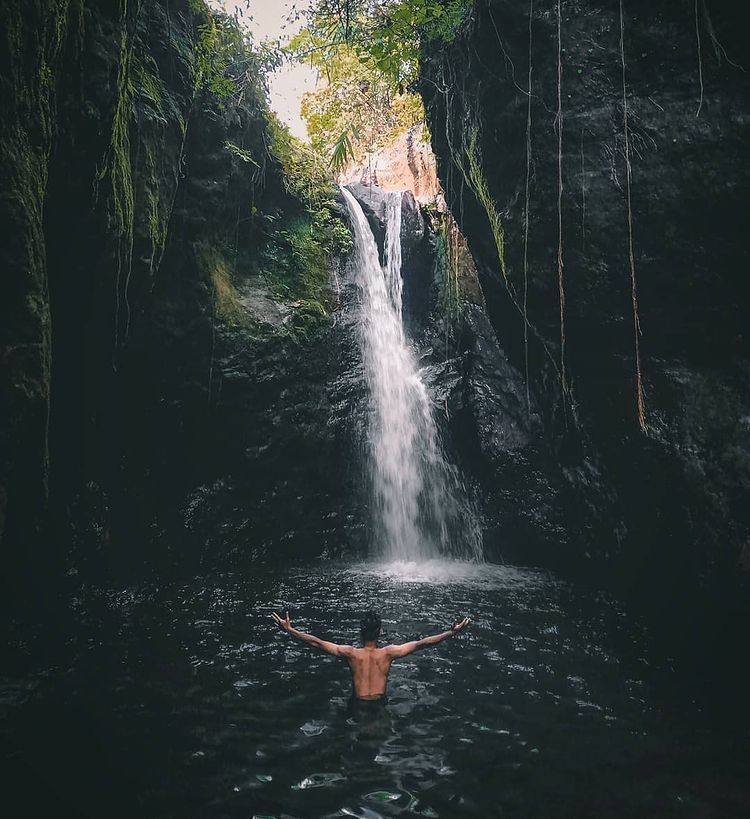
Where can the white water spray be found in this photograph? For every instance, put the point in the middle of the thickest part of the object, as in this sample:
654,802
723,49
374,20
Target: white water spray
420,506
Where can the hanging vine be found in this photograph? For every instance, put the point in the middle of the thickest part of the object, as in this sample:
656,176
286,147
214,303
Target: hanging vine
700,57
640,403
478,184
559,125
583,198
117,166
462,134
526,219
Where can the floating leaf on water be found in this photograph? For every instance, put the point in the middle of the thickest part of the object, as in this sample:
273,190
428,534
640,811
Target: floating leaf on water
313,728
383,796
319,780
361,813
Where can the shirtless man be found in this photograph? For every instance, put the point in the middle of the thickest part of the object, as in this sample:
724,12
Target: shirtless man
370,664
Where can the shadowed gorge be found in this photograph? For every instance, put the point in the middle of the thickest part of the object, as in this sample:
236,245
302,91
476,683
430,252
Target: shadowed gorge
476,347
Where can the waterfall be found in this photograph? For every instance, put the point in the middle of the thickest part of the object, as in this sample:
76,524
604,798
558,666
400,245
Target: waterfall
392,270
421,510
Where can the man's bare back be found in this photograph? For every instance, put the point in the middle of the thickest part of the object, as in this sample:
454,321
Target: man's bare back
369,667
370,664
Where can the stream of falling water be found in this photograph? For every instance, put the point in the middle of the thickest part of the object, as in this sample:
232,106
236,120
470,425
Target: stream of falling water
421,508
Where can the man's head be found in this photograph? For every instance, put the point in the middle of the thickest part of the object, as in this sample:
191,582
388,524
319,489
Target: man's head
369,627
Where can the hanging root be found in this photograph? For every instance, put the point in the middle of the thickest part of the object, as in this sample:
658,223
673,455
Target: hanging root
583,199
117,165
719,50
700,59
466,146
640,404
559,124
449,256
526,221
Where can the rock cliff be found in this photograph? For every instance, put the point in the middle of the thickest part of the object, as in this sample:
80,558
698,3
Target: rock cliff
165,304
663,513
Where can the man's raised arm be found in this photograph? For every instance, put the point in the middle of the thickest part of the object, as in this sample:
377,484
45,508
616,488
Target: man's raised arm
407,648
330,648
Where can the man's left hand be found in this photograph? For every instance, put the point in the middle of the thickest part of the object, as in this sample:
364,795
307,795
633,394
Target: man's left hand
282,622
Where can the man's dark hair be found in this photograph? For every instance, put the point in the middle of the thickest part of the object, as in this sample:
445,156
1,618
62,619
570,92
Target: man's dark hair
369,626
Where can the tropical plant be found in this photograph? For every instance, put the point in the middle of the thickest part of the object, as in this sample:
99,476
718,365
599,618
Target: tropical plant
367,55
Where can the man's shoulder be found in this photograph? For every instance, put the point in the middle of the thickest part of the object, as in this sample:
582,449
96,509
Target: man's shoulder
358,651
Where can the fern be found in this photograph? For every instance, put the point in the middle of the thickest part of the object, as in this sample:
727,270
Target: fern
342,153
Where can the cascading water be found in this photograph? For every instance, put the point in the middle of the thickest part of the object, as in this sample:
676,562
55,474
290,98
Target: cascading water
420,506
392,269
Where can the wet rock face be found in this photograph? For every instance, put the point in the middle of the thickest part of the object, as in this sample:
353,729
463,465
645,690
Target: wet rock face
662,510
498,443
287,470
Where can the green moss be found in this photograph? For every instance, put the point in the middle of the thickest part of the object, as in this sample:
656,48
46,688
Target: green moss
295,267
218,41
304,270
307,178
478,183
297,260
467,146
227,305
156,111
156,210
117,165
148,83
447,269
32,36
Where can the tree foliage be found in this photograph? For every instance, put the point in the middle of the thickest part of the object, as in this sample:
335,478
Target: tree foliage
386,34
355,108
367,54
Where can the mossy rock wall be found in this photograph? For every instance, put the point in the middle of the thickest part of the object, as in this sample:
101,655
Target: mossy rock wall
143,211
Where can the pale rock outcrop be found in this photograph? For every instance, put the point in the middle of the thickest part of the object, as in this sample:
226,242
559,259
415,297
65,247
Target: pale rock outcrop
407,164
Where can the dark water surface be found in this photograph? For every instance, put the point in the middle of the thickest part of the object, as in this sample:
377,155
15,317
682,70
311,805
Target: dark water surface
191,703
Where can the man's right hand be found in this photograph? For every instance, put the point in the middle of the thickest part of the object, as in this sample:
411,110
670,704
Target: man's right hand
459,625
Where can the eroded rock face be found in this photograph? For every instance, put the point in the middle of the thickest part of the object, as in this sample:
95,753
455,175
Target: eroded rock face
407,164
287,475
662,513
